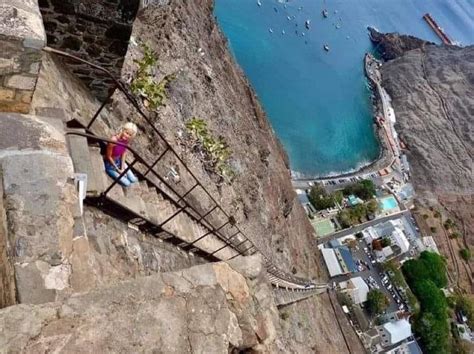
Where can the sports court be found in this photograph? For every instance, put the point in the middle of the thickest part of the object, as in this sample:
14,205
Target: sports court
323,227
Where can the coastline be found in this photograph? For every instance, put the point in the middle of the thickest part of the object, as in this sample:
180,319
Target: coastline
382,161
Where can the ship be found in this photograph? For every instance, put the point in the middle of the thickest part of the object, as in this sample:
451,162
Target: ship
325,13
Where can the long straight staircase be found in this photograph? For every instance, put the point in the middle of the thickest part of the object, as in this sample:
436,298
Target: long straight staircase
157,206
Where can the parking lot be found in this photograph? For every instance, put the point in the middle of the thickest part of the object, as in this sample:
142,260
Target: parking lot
373,275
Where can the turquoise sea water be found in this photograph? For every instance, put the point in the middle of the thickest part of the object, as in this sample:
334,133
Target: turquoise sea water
318,102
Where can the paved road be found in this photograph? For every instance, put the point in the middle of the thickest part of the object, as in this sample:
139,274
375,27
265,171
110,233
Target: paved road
360,227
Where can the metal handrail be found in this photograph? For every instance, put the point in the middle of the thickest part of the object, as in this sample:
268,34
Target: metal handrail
123,87
138,158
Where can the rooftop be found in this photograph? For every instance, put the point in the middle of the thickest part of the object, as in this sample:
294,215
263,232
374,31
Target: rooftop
331,262
398,330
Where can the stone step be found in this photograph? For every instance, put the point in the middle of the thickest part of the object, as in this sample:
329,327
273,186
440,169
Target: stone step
101,177
134,190
81,159
144,188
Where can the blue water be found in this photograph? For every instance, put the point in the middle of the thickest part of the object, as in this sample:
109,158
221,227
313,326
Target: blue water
388,203
318,102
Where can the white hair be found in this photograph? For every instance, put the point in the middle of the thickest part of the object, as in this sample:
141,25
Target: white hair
131,127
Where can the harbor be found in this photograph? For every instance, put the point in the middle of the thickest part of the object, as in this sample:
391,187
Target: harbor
437,29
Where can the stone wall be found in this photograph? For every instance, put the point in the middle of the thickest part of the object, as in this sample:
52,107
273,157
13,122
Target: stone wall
95,30
22,37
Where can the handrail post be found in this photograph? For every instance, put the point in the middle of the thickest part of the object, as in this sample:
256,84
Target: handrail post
101,108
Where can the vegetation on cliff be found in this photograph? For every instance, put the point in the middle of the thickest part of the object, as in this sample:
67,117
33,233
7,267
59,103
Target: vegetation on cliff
144,83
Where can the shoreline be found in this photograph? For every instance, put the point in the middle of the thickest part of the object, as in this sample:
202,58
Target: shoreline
368,167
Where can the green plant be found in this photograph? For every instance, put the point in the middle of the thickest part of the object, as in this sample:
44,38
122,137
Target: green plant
216,151
454,235
465,254
377,302
448,224
320,198
144,84
433,229
437,214
284,315
425,216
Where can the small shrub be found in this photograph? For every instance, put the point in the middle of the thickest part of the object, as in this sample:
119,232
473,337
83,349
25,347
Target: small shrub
144,84
425,216
465,254
433,229
216,151
436,214
454,235
284,315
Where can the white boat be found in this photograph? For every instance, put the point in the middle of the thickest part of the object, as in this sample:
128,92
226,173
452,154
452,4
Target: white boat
259,3
326,48
270,30
306,24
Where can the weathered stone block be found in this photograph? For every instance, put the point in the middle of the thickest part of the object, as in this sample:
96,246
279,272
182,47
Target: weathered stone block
6,94
21,19
14,106
21,82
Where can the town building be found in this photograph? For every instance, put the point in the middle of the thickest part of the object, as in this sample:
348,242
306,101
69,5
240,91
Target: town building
357,289
406,348
394,332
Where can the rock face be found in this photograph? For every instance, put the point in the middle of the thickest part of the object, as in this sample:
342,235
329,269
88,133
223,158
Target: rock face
393,45
208,84
432,88
204,309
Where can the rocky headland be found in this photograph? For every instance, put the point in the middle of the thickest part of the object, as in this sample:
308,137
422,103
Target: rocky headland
432,92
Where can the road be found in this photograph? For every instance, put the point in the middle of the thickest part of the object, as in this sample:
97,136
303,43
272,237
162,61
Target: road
362,226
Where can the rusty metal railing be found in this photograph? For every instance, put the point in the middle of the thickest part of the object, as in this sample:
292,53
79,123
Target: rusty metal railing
179,199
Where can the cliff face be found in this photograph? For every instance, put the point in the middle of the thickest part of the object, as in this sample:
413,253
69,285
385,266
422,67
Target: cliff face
208,84
432,89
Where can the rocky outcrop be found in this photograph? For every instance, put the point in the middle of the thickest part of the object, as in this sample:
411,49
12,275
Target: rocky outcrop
393,45
204,309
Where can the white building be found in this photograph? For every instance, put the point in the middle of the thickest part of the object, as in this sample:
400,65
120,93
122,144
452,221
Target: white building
331,261
398,238
394,332
357,290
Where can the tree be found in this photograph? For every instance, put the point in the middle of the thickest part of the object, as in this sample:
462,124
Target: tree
338,196
386,242
364,189
345,218
372,206
377,302
429,266
433,333
431,298
319,198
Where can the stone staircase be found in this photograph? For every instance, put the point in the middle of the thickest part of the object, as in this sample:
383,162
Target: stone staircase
286,296
145,202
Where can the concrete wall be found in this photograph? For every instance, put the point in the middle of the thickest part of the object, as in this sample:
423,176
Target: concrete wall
22,37
95,30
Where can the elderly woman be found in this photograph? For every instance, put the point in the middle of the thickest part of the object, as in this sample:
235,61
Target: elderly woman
114,158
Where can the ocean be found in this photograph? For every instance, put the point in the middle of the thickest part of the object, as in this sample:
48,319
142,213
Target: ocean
318,101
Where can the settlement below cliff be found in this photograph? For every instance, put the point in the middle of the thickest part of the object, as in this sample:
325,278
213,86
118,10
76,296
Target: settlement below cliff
432,91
